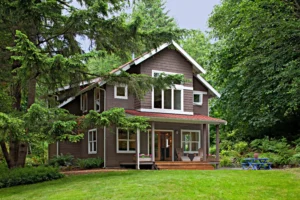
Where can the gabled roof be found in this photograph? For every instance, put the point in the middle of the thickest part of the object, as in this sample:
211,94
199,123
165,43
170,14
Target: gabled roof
190,119
142,58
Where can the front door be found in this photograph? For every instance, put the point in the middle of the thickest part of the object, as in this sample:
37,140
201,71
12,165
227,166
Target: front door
163,145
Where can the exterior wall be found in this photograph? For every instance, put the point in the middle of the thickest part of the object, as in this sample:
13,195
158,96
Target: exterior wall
79,149
203,109
111,102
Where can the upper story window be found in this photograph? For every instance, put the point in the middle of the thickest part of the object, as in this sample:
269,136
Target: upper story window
169,99
198,97
97,100
84,102
92,141
190,141
121,92
126,141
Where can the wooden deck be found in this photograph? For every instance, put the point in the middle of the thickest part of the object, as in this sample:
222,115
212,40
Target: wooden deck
180,165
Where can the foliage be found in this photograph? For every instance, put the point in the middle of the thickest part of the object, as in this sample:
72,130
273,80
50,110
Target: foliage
255,61
28,175
62,160
225,161
89,163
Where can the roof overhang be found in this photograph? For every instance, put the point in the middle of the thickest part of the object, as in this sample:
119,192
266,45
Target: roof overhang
209,87
175,118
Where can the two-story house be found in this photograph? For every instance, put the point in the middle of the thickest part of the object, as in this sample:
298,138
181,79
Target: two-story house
179,116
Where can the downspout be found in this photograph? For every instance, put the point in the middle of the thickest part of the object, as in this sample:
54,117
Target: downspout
57,148
104,132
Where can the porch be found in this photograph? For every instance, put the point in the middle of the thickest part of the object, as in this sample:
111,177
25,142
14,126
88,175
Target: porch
164,138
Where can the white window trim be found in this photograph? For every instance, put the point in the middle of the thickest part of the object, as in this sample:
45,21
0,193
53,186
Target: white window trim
86,103
92,152
128,140
95,91
200,93
199,136
121,97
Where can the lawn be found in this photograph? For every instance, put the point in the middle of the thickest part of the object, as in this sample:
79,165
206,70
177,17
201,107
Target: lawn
218,184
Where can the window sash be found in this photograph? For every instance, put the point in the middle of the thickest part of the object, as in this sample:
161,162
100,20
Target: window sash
169,99
97,100
84,102
92,141
128,141
187,143
125,96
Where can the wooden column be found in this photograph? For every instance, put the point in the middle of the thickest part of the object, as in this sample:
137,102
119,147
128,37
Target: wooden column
138,149
153,141
205,141
217,143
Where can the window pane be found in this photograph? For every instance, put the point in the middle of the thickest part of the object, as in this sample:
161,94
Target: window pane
194,146
123,145
121,91
196,98
95,146
132,145
94,135
91,146
132,135
177,99
156,74
157,98
167,99
123,134
186,136
195,136
186,146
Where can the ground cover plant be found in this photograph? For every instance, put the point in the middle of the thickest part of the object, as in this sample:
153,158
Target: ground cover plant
217,184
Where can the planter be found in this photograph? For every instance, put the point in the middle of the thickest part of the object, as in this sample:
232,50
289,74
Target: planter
143,159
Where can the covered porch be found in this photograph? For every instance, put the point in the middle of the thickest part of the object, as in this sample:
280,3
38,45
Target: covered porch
170,132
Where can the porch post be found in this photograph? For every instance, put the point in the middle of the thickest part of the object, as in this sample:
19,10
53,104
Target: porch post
204,141
153,141
217,144
137,149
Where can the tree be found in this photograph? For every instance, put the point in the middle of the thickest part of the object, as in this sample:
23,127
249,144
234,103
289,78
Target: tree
43,51
256,61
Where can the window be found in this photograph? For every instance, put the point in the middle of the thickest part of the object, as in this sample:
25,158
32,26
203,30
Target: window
121,92
92,140
126,141
190,141
97,100
198,97
169,99
84,102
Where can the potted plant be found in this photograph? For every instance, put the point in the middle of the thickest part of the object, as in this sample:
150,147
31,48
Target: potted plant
143,157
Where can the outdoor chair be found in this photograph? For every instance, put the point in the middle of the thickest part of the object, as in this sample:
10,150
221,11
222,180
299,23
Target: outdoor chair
181,156
198,157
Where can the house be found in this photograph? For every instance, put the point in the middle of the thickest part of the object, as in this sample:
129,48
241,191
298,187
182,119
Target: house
179,116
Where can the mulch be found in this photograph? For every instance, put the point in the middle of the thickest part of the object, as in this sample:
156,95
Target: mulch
90,171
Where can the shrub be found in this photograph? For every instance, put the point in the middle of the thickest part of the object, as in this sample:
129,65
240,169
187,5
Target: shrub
241,147
62,160
226,161
89,163
28,175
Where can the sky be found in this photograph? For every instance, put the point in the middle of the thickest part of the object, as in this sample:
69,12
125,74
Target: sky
191,14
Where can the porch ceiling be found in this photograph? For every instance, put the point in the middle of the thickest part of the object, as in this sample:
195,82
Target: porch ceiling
177,118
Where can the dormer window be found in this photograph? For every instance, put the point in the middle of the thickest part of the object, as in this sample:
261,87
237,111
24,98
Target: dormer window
121,92
169,99
84,102
198,97
97,100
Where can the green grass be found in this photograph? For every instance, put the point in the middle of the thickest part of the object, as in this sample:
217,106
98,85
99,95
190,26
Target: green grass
218,184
